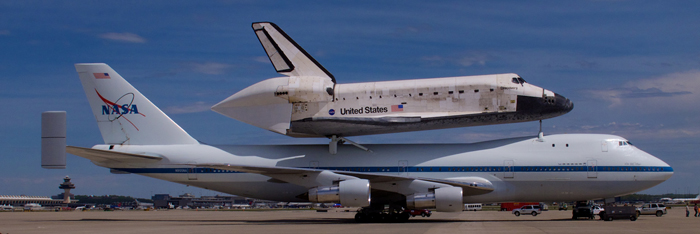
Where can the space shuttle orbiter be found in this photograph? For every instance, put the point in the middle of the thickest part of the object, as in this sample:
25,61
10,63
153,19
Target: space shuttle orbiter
308,102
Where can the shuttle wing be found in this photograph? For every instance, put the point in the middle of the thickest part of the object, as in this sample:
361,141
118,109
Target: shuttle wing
470,186
111,156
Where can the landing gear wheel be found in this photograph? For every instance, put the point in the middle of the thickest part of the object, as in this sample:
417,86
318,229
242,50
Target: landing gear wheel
360,218
403,217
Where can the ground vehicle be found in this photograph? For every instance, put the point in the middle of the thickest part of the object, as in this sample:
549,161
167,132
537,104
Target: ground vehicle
472,206
509,206
597,209
657,209
583,209
534,210
423,212
563,206
618,212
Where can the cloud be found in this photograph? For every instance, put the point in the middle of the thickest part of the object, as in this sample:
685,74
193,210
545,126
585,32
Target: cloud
651,92
469,60
586,64
191,108
210,68
123,37
669,92
4,32
638,130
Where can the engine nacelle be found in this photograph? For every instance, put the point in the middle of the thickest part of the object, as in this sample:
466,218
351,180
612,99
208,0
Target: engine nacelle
447,199
352,193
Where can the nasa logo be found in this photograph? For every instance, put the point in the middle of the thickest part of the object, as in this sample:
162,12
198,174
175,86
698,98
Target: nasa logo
115,111
331,112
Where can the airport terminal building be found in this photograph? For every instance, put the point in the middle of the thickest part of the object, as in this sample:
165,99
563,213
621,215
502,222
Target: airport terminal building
22,200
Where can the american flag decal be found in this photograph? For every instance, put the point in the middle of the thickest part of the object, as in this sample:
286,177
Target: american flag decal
395,108
101,75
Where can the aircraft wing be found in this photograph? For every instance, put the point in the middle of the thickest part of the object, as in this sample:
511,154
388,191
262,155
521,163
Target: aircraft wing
111,156
470,186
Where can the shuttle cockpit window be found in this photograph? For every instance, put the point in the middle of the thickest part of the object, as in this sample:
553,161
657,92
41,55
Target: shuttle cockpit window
518,80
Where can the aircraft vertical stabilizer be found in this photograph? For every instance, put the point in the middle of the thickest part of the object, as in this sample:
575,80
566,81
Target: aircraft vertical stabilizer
124,115
286,55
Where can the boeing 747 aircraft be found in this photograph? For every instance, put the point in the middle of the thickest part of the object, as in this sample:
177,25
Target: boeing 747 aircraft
141,139
308,102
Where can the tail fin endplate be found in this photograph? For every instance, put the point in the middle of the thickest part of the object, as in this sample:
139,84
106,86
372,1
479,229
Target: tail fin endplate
287,56
123,114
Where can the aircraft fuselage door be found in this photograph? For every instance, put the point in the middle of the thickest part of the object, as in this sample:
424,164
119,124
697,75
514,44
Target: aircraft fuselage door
403,164
592,171
604,146
508,166
192,171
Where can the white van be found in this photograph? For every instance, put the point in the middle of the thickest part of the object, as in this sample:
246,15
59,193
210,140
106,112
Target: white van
472,206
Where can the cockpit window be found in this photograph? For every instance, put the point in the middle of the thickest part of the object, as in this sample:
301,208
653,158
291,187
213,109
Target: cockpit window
621,143
518,80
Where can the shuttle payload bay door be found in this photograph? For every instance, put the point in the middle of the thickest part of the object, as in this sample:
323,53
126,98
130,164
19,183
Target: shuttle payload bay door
592,172
508,166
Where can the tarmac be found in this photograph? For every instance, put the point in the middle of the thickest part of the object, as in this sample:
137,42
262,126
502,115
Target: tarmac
308,221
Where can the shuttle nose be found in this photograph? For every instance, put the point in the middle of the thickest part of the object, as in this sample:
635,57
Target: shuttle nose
543,107
562,103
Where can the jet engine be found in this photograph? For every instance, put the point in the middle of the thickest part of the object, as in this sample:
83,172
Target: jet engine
352,193
447,199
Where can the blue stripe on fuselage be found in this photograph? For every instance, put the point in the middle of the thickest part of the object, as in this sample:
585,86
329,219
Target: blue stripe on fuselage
519,169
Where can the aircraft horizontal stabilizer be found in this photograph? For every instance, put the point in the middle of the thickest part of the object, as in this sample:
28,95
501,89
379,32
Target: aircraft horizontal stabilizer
112,156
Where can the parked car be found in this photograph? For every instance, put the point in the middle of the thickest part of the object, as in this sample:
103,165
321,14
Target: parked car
657,209
423,212
583,209
597,209
534,210
618,212
563,206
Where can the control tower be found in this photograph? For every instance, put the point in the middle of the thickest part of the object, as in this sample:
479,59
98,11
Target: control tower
66,186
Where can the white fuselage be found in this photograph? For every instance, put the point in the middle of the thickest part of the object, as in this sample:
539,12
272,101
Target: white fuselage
311,106
561,168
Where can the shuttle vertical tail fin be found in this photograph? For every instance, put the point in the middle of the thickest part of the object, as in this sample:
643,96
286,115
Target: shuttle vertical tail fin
123,114
287,56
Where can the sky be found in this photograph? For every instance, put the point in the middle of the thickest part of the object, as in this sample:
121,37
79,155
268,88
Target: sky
632,68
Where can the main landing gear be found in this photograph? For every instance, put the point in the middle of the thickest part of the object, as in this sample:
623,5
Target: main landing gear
370,215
